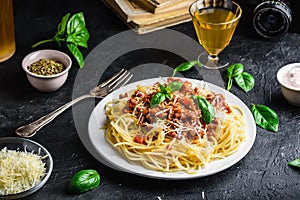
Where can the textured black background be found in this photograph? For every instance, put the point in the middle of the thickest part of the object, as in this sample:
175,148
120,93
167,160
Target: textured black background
262,174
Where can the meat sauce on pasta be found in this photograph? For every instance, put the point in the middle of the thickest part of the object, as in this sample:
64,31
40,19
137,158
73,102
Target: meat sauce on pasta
172,136
180,111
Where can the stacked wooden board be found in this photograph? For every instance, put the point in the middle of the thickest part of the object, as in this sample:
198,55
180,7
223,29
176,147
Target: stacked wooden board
145,16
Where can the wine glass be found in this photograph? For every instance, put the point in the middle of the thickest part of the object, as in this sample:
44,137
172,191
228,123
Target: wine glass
215,22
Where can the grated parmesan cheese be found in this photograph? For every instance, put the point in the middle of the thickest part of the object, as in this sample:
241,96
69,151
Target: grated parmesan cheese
19,171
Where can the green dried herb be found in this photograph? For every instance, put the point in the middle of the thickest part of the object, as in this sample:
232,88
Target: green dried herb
46,67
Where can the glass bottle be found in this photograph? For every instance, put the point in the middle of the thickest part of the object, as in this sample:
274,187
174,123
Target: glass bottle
7,32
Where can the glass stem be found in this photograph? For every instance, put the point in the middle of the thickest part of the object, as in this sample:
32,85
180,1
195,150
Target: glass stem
213,58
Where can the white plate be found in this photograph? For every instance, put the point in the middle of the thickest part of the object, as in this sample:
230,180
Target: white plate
115,160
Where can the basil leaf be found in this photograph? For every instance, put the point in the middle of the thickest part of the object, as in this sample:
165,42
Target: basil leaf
174,86
76,53
77,33
229,84
168,96
233,71
163,89
76,23
265,117
295,163
245,81
84,181
207,109
62,27
79,38
186,66
73,32
165,92
157,99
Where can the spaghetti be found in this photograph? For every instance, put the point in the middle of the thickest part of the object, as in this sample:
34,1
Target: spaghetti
172,135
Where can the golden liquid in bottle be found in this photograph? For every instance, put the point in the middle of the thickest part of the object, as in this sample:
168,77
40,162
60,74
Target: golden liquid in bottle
214,29
7,33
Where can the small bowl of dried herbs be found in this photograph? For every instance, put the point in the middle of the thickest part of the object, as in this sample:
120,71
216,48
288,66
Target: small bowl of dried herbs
47,70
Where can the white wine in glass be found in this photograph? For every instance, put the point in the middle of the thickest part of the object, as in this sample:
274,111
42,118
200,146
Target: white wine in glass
215,22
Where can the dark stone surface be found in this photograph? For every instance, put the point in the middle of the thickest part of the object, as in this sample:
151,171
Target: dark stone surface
262,174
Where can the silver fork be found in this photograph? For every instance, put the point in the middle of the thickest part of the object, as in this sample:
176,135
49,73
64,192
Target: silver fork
100,91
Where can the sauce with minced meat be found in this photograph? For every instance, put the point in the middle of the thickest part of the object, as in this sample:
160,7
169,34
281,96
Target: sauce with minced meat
180,111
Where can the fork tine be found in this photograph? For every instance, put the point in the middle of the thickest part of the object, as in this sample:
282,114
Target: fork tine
117,79
105,83
121,82
108,81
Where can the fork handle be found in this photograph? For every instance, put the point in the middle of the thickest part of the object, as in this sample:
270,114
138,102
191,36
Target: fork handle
32,128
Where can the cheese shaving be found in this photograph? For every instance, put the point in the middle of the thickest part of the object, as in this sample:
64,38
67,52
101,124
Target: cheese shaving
19,171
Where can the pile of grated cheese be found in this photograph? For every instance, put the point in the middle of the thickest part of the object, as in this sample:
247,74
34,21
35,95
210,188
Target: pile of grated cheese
19,171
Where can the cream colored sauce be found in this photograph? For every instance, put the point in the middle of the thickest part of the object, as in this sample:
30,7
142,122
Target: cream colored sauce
292,78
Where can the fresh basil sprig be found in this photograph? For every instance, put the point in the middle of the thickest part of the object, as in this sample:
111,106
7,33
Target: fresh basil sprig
186,66
157,99
295,163
233,71
265,117
165,93
74,33
243,79
207,110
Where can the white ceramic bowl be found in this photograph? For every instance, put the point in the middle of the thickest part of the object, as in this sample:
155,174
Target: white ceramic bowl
47,83
20,144
291,94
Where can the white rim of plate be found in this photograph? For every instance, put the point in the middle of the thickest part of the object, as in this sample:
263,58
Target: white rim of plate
110,157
